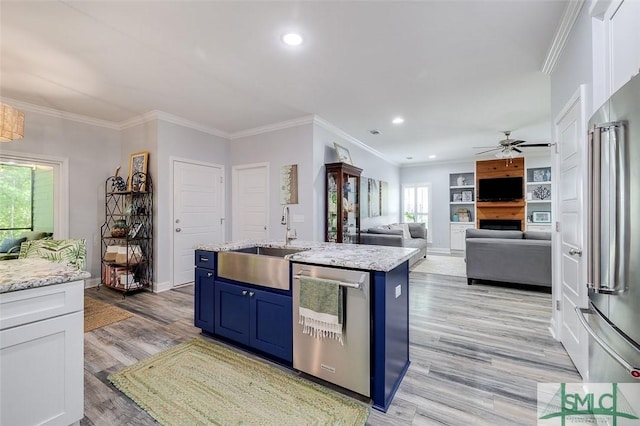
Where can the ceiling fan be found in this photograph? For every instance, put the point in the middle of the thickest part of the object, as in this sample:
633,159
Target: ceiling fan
507,146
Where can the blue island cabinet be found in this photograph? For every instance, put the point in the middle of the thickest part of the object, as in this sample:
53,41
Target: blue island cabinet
390,333
255,318
204,291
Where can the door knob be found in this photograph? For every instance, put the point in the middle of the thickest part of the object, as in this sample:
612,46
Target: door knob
178,229
575,252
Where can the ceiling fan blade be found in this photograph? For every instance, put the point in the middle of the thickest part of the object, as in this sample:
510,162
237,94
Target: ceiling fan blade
536,144
489,150
486,146
517,142
516,149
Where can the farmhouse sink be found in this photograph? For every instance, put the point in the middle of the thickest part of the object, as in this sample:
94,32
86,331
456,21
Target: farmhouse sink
268,251
262,266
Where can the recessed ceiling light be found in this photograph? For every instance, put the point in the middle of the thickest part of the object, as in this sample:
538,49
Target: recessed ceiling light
432,156
398,120
292,39
374,132
409,158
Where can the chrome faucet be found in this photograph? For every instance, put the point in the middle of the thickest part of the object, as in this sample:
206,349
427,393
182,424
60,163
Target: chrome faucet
289,235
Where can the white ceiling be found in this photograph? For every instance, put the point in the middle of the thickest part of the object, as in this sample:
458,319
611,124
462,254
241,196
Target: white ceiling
459,72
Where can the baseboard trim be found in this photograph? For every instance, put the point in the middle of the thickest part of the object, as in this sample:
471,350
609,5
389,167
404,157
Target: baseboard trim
440,250
160,287
91,282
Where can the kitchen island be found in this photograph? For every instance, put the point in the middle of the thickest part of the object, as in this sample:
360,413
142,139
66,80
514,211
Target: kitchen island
41,342
261,318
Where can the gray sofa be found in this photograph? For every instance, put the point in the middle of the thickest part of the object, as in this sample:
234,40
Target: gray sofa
391,235
509,256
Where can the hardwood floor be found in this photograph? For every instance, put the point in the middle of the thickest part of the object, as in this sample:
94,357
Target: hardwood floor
477,353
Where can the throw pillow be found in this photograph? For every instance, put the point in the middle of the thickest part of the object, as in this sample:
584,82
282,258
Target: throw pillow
35,235
69,252
9,243
404,227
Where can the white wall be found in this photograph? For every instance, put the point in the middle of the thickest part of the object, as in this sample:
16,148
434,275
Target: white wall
574,67
184,143
93,154
292,145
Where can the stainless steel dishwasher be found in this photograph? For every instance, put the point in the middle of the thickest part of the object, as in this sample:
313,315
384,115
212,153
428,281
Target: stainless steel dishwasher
345,365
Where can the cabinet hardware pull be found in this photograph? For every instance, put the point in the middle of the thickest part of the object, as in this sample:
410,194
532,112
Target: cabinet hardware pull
244,292
251,294
204,259
209,274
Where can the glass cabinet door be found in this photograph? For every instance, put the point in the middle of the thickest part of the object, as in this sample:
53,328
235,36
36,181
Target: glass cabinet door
332,207
343,203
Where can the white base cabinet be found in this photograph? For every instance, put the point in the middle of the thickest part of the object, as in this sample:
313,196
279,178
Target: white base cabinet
42,355
458,233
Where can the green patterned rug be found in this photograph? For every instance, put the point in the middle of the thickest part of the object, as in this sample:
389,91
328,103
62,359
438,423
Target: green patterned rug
204,383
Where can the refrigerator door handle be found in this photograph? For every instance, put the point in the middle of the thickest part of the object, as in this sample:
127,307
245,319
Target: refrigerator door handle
593,242
617,133
617,226
582,312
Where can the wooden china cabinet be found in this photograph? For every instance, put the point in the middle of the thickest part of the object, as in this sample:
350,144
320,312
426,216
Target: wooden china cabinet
342,205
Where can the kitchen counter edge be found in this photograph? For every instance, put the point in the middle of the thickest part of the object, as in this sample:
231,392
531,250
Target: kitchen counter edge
352,256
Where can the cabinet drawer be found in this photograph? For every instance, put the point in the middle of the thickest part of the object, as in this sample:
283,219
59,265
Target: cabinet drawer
205,259
35,304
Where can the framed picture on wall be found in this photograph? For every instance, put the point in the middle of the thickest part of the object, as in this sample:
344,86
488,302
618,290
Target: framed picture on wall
138,162
343,154
541,217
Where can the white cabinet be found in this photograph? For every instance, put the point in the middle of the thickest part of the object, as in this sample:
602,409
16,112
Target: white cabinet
458,232
41,355
539,193
462,207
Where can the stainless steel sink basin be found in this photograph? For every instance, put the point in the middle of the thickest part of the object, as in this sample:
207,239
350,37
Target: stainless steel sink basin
263,266
268,251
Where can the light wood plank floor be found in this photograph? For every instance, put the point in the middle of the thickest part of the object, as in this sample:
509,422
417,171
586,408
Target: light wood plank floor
476,352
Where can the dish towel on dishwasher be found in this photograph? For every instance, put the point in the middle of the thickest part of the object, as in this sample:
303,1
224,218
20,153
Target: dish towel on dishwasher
321,308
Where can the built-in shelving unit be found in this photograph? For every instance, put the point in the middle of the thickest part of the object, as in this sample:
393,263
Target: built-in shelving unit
538,195
462,207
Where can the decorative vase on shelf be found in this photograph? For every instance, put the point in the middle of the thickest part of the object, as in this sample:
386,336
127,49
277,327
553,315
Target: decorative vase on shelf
120,229
461,181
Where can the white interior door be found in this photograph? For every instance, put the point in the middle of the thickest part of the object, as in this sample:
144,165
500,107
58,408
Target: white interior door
250,201
198,213
570,160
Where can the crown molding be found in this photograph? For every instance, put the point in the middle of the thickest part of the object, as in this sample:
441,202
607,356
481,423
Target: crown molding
56,113
339,132
569,18
174,119
272,127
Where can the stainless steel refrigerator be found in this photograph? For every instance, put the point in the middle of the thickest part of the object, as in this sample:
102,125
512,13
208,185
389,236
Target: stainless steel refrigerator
613,316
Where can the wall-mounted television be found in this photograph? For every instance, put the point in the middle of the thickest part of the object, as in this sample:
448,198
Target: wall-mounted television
500,189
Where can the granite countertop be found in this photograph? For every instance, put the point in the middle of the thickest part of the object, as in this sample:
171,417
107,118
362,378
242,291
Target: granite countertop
21,274
354,256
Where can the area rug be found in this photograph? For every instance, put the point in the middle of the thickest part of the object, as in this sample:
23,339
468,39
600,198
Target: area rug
200,382
98,314
443,265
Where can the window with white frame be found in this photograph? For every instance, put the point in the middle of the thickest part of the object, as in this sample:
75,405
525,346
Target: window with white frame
416,203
